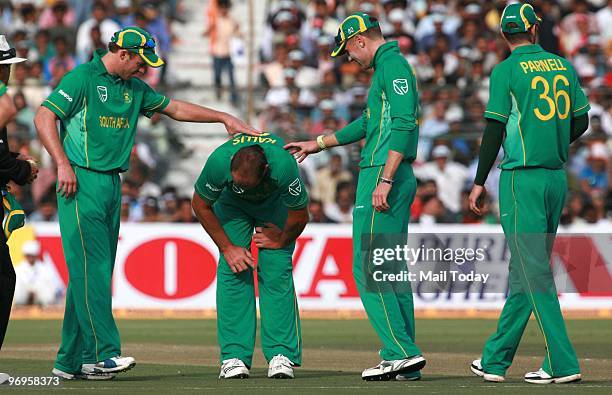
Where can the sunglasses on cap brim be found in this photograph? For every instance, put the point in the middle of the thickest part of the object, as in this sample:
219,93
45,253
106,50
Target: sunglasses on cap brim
150,44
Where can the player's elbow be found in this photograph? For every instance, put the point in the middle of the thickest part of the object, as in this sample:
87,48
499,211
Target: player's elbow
43,117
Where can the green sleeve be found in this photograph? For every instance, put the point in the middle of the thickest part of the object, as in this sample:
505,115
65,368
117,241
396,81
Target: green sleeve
489,147
2,88
152,101
400,89
500,105
212,180
67,98
293,190
580,124
580,104
352,132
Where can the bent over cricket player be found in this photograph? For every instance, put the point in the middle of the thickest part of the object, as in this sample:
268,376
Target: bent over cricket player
386,185
251,183
537,108
98,104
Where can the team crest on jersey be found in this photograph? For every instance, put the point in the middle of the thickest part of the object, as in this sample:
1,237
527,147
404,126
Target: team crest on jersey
126,97
400,86
295,188
102,93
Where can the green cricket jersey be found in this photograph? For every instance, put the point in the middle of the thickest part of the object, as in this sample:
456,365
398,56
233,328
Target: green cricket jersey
390,121
536,94
99,113
2,88
283,176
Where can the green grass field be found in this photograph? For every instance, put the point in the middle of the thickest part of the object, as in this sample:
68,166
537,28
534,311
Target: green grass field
181,356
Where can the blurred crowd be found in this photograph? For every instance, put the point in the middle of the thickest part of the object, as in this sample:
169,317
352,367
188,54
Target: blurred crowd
58,35
452,46
303,92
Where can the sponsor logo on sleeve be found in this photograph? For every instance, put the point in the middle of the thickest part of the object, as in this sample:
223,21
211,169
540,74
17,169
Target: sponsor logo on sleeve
66,96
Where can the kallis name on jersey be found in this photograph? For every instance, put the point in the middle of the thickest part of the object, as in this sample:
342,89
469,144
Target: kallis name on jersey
114,122
252,139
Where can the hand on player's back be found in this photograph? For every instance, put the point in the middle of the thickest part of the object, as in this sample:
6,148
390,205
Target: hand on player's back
301,149
234,126
238,258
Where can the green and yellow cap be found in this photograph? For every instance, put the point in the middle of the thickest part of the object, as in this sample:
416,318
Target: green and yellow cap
139,41
354,24
518,18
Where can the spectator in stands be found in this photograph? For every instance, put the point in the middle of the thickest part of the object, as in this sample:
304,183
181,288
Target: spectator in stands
450,177
46,210
185,212
222,27
341,210
328,178
124,13
595,176
58,15
108,27
434,125
62,57
576,28
317,212
37,281
433,210
150,210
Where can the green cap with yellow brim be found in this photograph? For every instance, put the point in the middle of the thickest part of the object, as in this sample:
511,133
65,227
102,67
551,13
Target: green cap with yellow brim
138,41
351,26
518,18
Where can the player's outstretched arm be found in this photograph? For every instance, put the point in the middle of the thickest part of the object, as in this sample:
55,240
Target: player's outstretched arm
351,133
46,127
238,258
301,149
272,237
188,112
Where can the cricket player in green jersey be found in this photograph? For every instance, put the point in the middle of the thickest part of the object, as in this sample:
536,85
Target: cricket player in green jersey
386,185
537,108
251,183
98,105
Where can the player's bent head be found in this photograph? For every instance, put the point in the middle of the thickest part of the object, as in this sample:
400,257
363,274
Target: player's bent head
249,166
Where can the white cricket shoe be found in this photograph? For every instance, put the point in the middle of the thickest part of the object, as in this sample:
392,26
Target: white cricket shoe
116,364
541,377
86,374
280,368
387,370
233,369
4,378
476,368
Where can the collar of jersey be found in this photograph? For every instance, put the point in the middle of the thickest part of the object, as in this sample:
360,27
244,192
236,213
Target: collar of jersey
383,51
97,61
99,65
531,48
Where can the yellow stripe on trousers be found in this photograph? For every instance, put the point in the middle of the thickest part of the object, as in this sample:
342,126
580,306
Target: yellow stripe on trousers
377,285
535,307
86,290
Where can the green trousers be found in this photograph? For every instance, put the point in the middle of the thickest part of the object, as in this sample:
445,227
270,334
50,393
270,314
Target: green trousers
391,313
530,205
89,225
236,310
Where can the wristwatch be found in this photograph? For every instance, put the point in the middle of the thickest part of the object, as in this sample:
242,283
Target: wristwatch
386,180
